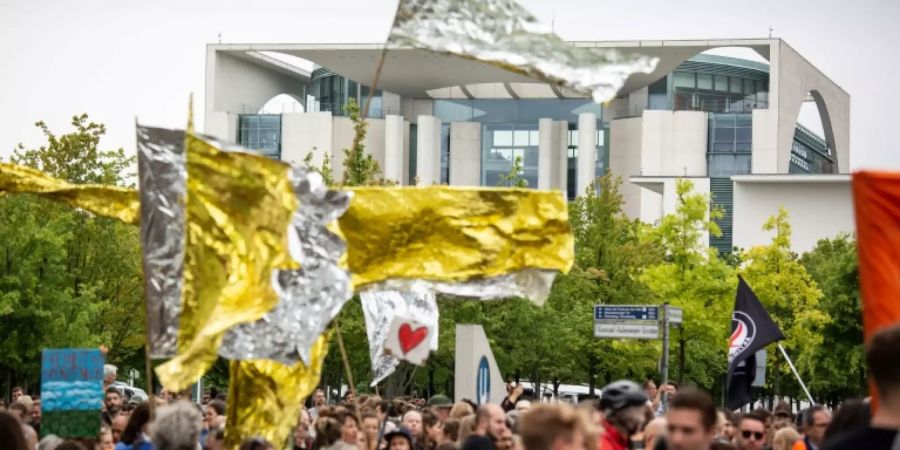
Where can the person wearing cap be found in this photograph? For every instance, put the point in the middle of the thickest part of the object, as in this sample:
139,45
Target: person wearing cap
623,404
782,414
441,405
399,439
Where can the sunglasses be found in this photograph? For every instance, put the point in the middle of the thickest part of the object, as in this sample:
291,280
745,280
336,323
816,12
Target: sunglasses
756,434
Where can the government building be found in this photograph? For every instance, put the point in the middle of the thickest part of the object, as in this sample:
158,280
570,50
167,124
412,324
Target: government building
728,124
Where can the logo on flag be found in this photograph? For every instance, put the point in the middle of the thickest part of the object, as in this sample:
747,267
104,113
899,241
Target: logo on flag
744,330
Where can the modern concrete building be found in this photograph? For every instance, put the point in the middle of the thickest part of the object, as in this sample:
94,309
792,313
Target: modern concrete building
728,124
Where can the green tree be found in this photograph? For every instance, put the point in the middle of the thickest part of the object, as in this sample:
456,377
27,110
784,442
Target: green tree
324,169
839,367
514,177
609,260
360,168
693,277
791,297
68,278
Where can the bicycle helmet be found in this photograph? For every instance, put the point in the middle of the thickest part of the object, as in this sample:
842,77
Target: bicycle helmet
622,394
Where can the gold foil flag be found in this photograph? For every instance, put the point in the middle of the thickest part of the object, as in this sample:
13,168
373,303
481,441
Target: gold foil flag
503,34
109,201
238,209
265,397
466,241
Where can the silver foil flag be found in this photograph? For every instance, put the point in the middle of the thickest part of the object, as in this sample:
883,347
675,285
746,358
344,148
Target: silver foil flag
380,308
163,178
502,33
310,297
533,284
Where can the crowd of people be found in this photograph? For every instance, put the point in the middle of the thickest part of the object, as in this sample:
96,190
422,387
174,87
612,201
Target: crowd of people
627,416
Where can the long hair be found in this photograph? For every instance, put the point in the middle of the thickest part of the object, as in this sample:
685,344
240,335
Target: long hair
139,418
429,420
11,433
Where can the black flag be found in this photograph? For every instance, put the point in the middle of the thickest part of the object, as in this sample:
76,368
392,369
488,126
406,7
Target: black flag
751,330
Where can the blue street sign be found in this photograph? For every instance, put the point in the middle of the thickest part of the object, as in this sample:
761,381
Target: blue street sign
607,312
483,382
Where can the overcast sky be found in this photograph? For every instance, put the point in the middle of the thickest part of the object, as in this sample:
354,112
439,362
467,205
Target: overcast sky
117,60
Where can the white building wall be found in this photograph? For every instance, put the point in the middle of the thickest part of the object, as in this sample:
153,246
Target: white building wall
222,125
674,143
390,103
561,133
764,148
796,78
818,206
549,155
412,108
240,86
405,177
587,150
465,154
637,101
302,133
625,160
393,148
428,149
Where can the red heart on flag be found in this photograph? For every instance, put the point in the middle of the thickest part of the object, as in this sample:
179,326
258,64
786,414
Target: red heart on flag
410,338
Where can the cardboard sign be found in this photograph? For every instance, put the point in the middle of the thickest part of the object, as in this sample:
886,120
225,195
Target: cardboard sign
409,340
71,392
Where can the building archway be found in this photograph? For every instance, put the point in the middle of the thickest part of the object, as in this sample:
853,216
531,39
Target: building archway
282,103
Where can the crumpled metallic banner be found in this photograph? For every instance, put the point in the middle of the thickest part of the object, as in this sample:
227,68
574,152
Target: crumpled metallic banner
533,284
380,308
311,296
448,234
162,167
109,201
502,33
238,208
265,397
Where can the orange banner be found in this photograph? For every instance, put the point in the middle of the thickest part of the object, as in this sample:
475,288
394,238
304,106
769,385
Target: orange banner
876,198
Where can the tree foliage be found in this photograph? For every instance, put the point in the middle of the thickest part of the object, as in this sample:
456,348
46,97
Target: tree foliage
693,277
791,297
359,167
514,177
837,368
68,278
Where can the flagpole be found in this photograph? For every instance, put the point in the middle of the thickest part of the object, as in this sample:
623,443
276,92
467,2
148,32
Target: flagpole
794,369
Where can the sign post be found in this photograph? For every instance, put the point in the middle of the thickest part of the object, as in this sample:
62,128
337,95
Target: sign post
629,322
639,322
665,356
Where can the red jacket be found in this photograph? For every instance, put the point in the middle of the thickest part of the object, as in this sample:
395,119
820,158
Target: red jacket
611,439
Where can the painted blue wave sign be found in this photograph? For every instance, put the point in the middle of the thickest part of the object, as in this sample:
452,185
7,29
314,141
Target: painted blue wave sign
71,392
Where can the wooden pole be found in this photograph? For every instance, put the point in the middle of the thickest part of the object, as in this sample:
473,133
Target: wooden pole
337,329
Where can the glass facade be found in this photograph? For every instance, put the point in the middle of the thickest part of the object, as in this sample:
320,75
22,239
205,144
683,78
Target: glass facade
333,91
729,144
699,91
722,192
810,153
502,144
261,132
712,84
510,130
